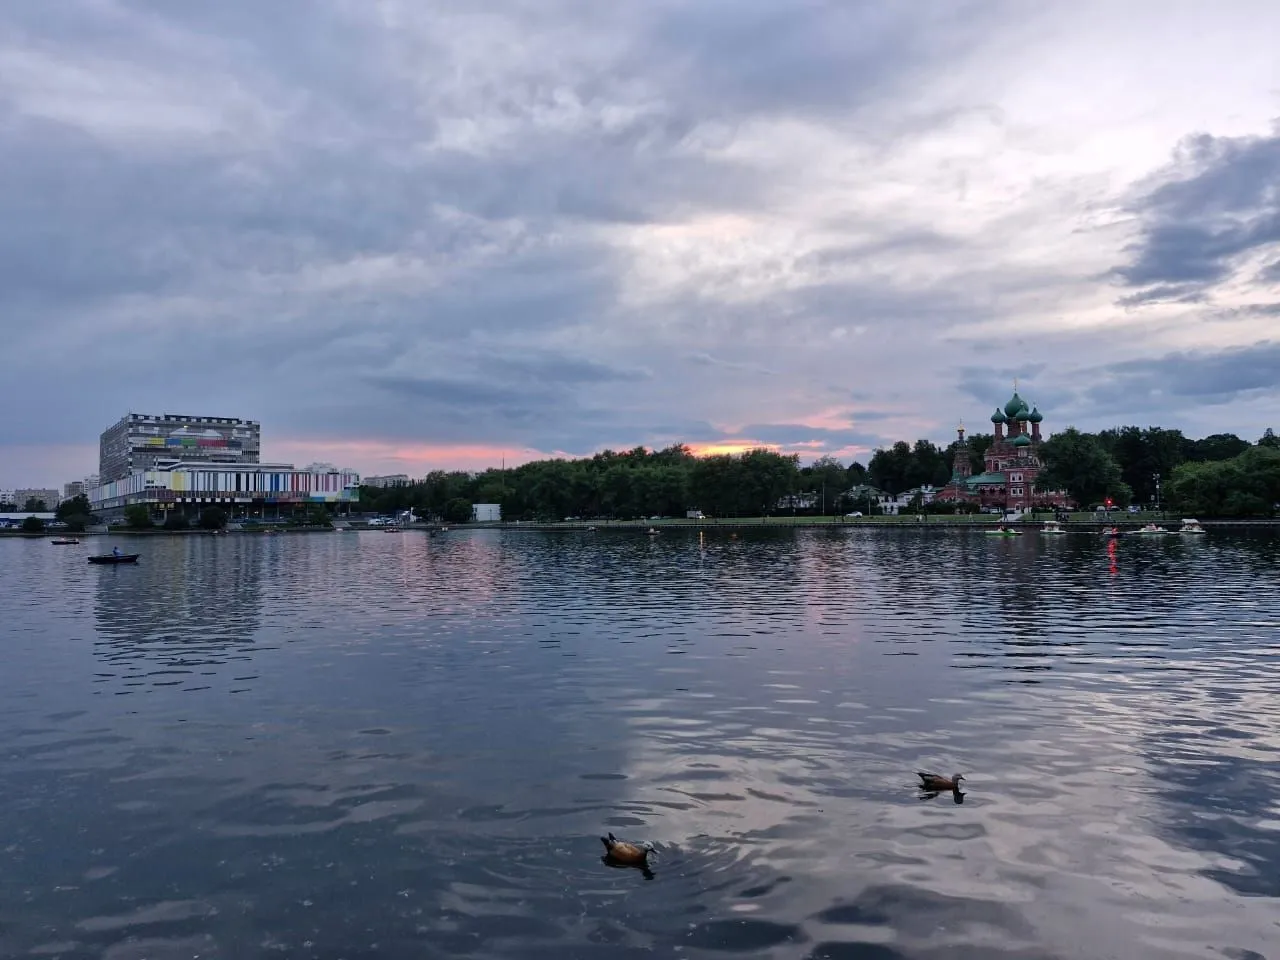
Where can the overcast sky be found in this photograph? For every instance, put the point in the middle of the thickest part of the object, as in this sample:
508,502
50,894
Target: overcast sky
408,234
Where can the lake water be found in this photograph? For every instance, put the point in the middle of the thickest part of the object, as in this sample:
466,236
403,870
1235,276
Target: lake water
389,745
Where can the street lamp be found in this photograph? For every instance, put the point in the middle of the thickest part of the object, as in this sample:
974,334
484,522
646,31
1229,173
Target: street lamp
1156,477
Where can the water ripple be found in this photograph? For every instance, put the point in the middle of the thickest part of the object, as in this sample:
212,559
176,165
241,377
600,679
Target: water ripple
367,745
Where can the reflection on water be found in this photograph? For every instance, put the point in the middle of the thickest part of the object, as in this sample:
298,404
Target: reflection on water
366,745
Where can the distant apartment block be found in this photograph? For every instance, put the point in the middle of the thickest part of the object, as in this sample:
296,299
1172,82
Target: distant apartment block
73,489
390,480
141,442
49,497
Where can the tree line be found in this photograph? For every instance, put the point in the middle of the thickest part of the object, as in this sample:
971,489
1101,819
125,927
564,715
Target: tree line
1218,475
626,485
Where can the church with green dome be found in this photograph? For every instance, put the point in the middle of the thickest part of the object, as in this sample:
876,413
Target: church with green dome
1011,464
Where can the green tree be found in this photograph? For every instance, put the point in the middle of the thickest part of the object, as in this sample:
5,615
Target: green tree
978,444
1078,463
34,505
1247,485
138,517
457,510
75,512
889,469
1144,455
212,518
929,465
317,515
828,479
74,506
1217,446
1269,439
32,525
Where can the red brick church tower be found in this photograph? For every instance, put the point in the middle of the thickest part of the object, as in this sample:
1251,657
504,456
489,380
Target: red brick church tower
1010,464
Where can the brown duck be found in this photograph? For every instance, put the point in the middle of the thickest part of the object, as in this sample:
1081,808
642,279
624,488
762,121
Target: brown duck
622,851
932,781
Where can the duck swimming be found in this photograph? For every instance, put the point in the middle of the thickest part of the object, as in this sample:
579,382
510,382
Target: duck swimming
932,781
624,852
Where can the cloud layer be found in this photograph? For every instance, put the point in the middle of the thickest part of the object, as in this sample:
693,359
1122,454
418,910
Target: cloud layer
420,234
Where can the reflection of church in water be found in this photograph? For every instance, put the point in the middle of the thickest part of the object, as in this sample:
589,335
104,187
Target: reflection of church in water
1010,465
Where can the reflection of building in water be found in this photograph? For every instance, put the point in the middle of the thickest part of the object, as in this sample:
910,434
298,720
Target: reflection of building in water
195,599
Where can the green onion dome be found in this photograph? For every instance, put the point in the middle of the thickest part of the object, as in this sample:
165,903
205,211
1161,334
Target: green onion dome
1015,406
999,417
1035,416
1021,440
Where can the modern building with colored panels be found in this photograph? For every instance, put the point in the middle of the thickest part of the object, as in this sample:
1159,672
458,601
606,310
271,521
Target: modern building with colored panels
190,486
139,442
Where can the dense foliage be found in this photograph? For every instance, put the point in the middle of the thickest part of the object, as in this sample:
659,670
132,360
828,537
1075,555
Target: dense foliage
138,517
76,513
626,485
212,518
1247,485
1219,475
1124,464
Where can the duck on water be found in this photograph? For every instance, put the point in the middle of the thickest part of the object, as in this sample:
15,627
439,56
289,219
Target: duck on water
624,853
932,784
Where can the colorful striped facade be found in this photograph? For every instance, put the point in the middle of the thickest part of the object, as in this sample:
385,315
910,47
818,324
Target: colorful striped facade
210,483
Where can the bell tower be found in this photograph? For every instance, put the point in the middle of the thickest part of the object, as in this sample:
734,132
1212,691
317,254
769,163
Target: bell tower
960,465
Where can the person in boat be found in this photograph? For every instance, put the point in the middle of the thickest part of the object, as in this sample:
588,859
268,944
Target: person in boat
115,551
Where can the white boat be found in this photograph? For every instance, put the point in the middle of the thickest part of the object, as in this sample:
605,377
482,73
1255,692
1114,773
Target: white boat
1191,525
1150,528
1052,527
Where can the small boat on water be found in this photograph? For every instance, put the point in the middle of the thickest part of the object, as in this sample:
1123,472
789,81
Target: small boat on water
116,558
653,532
63,541
1002,532
1052,527
1191,525
1149,529
1111,531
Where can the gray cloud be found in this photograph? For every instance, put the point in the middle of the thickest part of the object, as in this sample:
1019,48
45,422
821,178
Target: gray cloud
1217,202
554,226
1200,376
